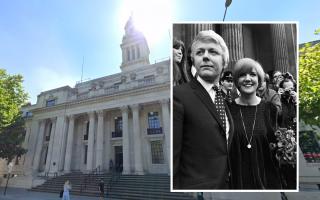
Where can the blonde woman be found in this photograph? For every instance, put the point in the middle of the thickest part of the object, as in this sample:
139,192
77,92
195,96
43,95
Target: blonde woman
253,164
66,189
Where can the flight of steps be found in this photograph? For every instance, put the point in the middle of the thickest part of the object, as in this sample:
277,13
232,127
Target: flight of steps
131,187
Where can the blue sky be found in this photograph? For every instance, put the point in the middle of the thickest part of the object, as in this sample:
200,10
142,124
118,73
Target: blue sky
45,41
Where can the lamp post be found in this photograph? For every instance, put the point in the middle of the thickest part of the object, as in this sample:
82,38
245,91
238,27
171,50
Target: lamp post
10,166
227,4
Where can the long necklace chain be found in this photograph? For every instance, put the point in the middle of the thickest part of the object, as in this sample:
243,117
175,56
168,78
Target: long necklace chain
244,127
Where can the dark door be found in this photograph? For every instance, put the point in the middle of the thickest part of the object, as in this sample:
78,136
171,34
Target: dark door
118,158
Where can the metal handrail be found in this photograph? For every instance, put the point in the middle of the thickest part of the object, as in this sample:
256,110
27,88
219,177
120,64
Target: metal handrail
115,177
89,177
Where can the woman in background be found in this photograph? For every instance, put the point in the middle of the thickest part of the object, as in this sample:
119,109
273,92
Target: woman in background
66,189
178,52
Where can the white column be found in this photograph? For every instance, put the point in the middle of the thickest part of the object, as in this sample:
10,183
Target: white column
68,156
137,140
99,147
38,147
59,131
90,141
108,147
166,128
50,148
125,140
29,157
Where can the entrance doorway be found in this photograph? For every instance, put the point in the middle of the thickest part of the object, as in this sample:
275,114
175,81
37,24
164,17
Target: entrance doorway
118,158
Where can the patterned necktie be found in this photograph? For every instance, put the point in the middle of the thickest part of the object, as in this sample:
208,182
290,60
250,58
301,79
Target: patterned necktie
219,103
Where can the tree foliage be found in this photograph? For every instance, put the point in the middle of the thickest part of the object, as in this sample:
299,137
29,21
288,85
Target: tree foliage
309,82
12,131
11,139
12,97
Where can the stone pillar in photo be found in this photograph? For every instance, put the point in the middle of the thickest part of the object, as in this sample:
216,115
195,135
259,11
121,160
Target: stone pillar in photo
108,147
68,155
38,147
166,129
279,46
137,140
125,140
90,141
99,147
232,35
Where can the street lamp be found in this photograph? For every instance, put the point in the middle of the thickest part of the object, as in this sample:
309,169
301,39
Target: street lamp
10,166
227,4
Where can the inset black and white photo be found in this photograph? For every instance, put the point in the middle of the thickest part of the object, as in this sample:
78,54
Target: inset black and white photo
234,106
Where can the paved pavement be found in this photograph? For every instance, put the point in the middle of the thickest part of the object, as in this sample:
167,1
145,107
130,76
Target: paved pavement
23,194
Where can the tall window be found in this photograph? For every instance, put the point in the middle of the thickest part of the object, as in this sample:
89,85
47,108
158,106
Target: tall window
118,124
51,102
85,153
138,51
49,132
153,120
46,155
128,55
157,152
87,131
133,53
117,127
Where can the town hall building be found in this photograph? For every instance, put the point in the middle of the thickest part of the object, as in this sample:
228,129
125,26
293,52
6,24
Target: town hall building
118,121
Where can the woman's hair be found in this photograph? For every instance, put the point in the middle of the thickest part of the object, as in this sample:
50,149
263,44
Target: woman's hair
179,67
245,65
211,36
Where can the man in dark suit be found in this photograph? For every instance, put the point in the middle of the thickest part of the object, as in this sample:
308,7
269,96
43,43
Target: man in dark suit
202,134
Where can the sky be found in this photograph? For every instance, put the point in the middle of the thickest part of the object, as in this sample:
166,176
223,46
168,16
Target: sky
48,42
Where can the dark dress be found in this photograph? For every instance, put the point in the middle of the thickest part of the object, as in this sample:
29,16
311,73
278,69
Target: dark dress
254,168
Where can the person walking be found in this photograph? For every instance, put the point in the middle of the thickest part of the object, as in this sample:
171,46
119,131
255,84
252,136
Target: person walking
101,189
66,189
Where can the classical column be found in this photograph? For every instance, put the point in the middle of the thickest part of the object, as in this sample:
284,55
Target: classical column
125,140
166,129
29,158
50,148
90,141
279,46
99,147
232,35
68,156
108,147
137,140
58,147
39,145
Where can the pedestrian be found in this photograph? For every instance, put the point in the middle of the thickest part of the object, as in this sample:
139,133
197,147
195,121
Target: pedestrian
101,189
66,189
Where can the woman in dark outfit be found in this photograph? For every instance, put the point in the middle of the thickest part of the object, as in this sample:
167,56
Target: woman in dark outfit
253,164
178,56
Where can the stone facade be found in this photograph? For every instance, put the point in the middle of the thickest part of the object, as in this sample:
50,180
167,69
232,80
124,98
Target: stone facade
123,117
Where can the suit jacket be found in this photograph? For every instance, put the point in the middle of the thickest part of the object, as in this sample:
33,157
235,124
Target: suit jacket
200,150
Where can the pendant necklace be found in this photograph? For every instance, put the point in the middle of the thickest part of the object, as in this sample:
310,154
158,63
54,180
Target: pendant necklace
244,127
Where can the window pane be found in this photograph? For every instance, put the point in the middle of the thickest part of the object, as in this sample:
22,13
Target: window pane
153,120
157,152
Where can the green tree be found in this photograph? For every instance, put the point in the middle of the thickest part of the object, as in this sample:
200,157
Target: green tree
309,82
12,97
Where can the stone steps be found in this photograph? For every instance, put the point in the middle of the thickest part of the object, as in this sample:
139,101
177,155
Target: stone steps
131,187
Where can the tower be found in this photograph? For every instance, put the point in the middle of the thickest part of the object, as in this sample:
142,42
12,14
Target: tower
135,50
